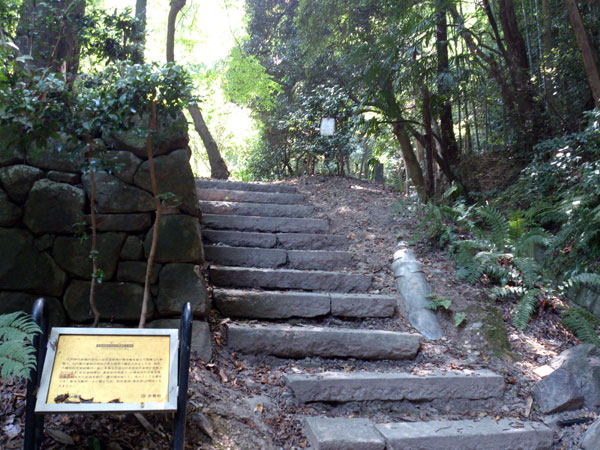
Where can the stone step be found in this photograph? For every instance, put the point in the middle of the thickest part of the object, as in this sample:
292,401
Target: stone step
269,224
314,280
244,186
301,342
273,258
255,209
227,195
283,305
289,241
365,386
331,433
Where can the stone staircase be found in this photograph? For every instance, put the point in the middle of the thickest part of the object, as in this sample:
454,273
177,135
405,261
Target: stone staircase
270,261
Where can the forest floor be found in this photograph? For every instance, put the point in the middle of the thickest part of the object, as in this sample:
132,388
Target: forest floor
240,402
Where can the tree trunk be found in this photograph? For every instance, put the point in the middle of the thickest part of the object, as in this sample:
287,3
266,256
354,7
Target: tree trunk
218,168
140,40
45,32
429,180
411,162
587,51
449,146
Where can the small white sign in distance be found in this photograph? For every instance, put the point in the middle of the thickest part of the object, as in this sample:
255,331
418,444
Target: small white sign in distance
327,126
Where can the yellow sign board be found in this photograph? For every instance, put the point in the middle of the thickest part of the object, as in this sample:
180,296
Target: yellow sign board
110,369
94,370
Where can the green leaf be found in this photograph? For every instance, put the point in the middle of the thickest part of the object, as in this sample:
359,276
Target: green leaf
459,318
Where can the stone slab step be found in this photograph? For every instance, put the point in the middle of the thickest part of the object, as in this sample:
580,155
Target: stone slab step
315,280
227,195
487,434
273,258
365,386
283,305
244,186
300,342
300,241
269,224
327,433
255,209
289,241
333,433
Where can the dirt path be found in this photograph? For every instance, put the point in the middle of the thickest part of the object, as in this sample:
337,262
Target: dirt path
241,400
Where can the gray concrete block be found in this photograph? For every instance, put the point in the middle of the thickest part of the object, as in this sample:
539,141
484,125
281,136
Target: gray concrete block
270,304
289,279
300,241
486,434
268,224
255,209
240,238
244,186
318,259
244,256
364,386
362,305
299,342
228,195
327,433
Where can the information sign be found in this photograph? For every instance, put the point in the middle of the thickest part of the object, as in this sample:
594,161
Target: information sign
103,370
327,126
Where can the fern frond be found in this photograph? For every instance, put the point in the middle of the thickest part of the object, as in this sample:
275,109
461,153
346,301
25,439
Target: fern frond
498,292
529,268
16,353
583,280
524,309
498,224
525,245
582,324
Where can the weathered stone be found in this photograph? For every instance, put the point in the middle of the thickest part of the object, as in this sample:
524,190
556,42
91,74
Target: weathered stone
318,259
270,304
64,177
378,173
73,255
244,186
591,437
314,280
201,341
179,240
415,291
255,209
300,342
179,284
11,301
56,155
122,222
9,153
173,174
583,363
115,300
115,196
44,242
133,249
23,267
244,256
17,181
136,271
299,241
126,164
557,392
53,207
339,433
9,212
172,134
269,224
240,238
367,386
362,305
488,434
227,195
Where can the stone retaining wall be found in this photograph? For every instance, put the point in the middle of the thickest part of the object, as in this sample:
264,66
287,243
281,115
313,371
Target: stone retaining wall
43,194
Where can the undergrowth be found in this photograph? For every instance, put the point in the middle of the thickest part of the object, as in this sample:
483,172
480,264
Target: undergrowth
540,239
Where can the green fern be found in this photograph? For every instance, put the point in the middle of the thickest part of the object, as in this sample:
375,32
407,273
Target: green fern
498,225
583,324
16,353
524,309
